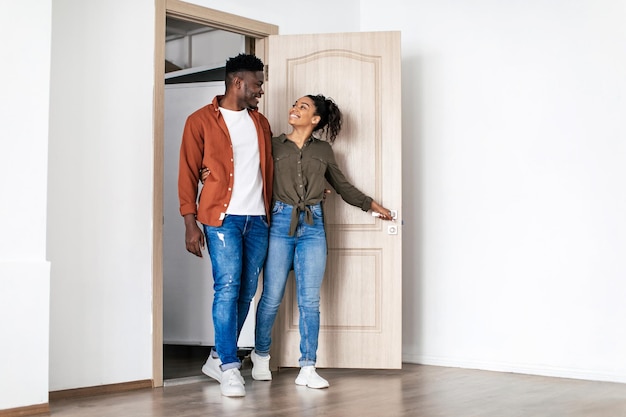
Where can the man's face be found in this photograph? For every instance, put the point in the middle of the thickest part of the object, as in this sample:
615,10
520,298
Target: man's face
250,89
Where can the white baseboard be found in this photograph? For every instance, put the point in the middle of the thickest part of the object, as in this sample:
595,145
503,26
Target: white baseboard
529,369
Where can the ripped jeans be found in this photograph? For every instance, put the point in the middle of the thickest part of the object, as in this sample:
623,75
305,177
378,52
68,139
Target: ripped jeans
237,250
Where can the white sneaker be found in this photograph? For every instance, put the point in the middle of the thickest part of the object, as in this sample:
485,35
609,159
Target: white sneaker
260,367
310,378
231,385
212,368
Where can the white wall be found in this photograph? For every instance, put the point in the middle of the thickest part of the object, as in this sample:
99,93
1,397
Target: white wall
24,271
323,16
100,192
515,231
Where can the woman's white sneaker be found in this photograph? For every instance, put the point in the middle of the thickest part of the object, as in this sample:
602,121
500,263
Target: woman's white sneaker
260,367
309,377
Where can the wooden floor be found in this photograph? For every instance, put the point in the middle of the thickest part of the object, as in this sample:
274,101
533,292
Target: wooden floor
424,391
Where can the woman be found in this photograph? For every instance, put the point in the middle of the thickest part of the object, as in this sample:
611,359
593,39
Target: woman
302,165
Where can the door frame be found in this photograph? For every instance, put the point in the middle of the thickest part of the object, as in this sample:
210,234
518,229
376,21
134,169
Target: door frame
255,32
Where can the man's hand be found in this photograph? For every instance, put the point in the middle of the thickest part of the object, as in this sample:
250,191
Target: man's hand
194,238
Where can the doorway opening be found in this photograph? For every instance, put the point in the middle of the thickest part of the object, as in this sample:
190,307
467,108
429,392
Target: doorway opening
194,73
192,45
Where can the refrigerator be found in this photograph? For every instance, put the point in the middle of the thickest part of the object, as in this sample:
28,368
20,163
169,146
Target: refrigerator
187,279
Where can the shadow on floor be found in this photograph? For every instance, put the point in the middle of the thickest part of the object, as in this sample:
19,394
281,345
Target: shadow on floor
182,361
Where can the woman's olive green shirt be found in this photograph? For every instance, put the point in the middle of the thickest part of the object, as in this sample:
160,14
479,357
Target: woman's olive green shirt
300,177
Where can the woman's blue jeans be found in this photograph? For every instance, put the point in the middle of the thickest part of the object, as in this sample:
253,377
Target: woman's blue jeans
305,252
237,249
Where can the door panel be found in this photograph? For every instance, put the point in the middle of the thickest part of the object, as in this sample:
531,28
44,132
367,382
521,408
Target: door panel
361,308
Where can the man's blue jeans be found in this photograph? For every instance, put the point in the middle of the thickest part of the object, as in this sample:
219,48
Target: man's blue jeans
237,249
306,253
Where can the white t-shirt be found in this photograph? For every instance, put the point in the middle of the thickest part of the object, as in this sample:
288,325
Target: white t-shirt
247,193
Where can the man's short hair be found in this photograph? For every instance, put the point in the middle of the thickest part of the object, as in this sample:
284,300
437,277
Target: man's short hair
243,62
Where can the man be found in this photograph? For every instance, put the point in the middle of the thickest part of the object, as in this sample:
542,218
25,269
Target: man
231,141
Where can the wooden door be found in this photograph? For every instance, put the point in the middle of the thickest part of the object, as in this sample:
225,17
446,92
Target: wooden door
361,301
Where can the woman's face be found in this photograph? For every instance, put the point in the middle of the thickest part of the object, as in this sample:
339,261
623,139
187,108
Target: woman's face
302,113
